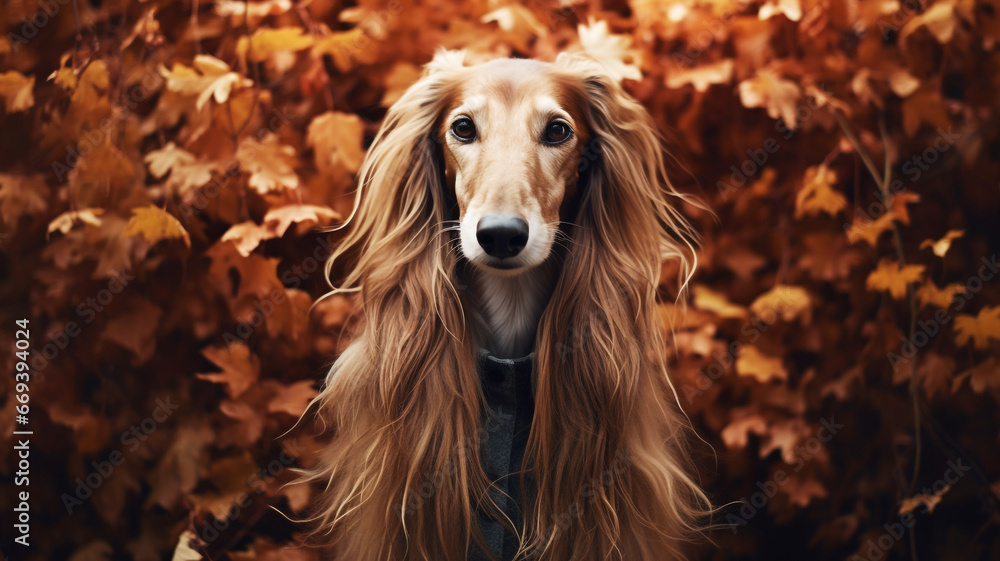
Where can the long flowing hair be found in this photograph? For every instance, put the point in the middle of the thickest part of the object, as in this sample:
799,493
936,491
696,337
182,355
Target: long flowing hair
402,477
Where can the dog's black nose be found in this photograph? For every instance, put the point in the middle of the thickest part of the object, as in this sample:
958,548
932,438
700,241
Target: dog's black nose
502,236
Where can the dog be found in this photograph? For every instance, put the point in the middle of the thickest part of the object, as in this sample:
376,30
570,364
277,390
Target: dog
510,209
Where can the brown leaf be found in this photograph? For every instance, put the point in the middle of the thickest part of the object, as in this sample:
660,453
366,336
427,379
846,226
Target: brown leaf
240,368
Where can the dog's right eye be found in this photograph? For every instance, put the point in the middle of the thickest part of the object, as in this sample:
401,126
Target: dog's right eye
464,129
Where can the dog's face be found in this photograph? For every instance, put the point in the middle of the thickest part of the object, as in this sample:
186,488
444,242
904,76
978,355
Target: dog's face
512,142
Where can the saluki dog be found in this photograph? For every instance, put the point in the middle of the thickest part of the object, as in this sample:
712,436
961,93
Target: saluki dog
507,242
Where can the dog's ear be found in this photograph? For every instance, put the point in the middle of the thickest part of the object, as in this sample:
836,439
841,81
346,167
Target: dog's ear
399,202
603,395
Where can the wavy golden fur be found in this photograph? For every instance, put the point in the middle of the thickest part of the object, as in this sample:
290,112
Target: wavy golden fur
607,450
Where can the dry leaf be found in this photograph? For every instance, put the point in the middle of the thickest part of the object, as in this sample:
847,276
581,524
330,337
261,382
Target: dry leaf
155,225
889,275
979,329
755,364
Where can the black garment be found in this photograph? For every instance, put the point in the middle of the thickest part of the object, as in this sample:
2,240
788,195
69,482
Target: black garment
510,405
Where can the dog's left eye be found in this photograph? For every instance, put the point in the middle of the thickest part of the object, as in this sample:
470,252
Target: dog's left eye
557,132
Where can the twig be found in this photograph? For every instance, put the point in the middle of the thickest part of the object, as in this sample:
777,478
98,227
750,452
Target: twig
883,180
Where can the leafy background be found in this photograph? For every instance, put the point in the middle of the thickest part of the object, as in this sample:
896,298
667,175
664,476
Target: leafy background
165,166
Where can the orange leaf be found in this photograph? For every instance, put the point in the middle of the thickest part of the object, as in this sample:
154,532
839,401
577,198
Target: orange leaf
979,329
941,246
763,368
240,369
155,225
890,276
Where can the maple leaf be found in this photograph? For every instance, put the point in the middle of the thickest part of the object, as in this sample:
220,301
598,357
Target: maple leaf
156,225
701,77
293,398
247,236
889,275
186,171
979,329
769,90
935,371
240,369
209,78
17,91
784,301
940,247
336,141
611,50
817,194
869,231
306,217
269,163
929,294
755,364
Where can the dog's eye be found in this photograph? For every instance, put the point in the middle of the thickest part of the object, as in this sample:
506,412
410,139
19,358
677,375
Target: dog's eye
557,132
464,129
